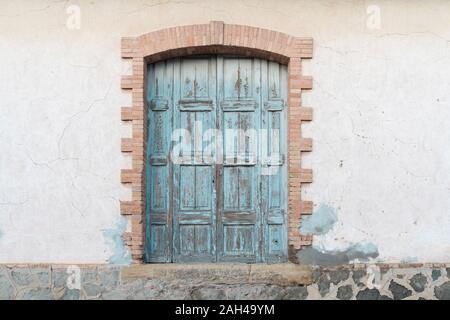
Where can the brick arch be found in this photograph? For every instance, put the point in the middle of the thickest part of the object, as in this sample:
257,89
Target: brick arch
214,38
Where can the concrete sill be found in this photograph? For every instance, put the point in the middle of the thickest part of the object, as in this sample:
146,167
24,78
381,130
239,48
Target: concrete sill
285,274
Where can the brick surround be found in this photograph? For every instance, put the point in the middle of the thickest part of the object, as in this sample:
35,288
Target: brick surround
214,38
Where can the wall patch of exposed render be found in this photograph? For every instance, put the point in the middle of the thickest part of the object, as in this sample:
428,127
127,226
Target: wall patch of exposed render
120,254
320,222
361,252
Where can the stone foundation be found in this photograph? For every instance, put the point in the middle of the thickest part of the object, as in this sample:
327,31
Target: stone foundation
224,282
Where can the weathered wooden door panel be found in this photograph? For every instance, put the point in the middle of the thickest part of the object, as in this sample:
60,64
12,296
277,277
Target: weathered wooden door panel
159,172
274,170
230,211
194,178
239,214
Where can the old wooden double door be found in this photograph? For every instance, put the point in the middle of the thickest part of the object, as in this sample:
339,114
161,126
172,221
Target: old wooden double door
199,208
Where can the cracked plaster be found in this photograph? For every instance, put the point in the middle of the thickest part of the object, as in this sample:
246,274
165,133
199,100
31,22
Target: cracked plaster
381,112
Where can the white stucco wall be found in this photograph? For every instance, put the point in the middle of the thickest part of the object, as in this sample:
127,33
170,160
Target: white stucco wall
381,130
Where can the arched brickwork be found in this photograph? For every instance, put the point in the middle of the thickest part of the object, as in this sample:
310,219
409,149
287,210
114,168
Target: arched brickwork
215,38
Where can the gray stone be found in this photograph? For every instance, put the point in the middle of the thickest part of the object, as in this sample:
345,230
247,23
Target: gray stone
208,294
89,275
136,291
43,276
115,295
442,292
316,274
286,274
435,274
448,272
109,278
22,277
37,294
339,276
345,292
324,285
71,294
153,292
164,291
368,294
7,290
59,278
358,275
187,273
399,292
255,292
92,289
371,294
296,293
133,286
107,283
176,294
418,282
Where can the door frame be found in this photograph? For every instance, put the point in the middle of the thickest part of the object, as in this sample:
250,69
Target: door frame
214,38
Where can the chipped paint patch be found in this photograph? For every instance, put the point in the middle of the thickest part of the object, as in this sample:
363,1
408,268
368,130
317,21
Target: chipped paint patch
321,222
361,252
120,255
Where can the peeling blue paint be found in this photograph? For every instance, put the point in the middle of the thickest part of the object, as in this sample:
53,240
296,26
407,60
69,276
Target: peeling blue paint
321,222
361,251
120,255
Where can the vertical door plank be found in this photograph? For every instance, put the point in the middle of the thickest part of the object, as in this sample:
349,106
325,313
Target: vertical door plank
239,221
274,200
158,169
194,178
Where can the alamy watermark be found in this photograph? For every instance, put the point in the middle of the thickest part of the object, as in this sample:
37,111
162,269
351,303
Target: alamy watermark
229,147
374,277
73,281
73,21
373,21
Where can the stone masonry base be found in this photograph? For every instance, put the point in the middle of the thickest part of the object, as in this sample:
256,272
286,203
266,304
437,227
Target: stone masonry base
221,282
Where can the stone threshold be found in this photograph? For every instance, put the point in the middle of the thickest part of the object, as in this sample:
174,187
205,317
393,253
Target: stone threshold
286,274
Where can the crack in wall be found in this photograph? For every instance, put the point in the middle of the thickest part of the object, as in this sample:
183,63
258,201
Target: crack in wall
71,118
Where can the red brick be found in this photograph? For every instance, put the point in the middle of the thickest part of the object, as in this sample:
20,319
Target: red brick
168,43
